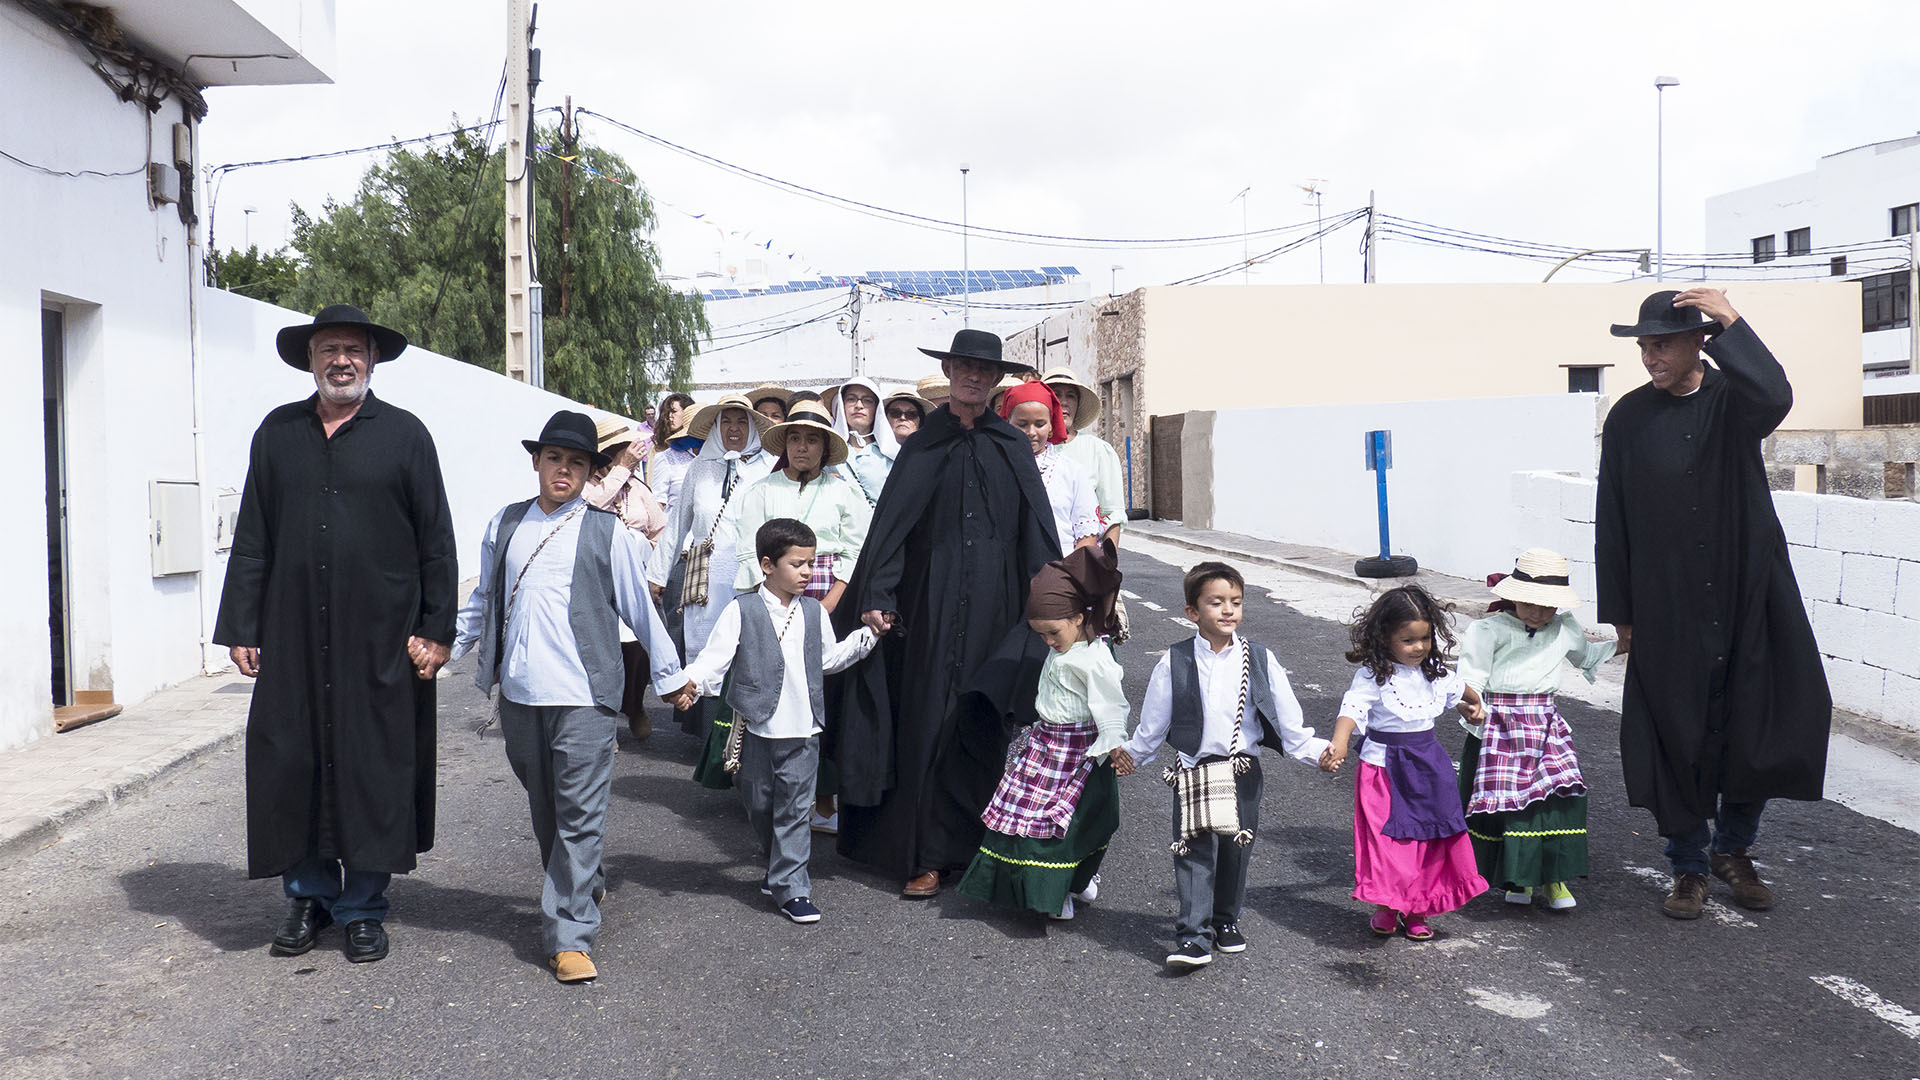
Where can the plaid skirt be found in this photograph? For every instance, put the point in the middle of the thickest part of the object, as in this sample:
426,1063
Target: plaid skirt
1525,755
1040,789
822,582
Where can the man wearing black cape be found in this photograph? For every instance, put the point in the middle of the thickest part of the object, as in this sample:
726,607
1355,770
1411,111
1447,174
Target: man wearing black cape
340,598
961,527
1726,702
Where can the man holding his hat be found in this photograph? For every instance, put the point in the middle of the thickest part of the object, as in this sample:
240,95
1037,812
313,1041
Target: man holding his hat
339,598
557,578
1726,702
960,529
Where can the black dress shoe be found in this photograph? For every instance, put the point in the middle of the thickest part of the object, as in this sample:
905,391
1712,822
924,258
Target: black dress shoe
366,941
304,922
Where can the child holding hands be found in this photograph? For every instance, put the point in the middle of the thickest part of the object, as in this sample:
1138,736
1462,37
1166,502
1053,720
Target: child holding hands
1216,697
1411,856
779,646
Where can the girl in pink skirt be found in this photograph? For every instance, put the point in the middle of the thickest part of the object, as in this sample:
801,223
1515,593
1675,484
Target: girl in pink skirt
1411,855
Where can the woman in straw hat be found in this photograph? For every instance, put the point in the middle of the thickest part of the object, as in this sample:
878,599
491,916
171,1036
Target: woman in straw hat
804,488
904,411
771,401
1080,404
696,539
617,487
1031,408
1520,781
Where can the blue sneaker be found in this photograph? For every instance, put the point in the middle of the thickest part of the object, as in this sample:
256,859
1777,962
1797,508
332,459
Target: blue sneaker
800,910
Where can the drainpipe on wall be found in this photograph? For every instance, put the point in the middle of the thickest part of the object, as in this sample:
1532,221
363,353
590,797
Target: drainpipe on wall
195,275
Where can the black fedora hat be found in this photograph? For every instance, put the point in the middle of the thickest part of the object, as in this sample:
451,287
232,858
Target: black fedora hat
1659,316
292,340
975,345
574,431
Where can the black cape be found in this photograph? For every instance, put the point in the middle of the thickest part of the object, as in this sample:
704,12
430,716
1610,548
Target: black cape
1725,693
344,548
961,527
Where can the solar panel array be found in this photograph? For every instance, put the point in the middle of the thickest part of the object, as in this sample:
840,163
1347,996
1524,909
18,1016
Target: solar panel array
917,282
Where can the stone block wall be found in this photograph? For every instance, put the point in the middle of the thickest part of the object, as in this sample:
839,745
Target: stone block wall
1857,562
1869,463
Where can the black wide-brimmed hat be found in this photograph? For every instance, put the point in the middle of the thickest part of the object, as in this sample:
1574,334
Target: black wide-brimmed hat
292,340
574,431
975,345
1659,316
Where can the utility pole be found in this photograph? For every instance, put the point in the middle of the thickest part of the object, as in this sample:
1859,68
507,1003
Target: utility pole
1246,258
571,149
853,330
516,165
966,263
1372,241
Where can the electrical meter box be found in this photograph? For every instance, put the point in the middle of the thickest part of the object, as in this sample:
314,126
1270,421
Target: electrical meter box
175,505
226,518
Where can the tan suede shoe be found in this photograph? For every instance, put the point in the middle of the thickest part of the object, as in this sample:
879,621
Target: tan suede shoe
922,886
573,967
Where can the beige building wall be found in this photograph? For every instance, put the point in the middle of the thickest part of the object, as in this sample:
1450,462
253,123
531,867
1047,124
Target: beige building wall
1277,345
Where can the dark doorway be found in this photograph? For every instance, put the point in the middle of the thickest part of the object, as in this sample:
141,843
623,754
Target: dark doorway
53,336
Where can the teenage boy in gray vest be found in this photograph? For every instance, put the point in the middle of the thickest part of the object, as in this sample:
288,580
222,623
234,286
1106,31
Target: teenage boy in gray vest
557,578
779,646
1194,703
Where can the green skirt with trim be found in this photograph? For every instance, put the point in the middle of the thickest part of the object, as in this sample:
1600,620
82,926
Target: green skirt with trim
1038,875
1543,842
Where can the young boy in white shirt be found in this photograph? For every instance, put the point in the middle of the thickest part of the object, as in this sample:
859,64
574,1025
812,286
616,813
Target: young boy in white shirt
779,646
1199,692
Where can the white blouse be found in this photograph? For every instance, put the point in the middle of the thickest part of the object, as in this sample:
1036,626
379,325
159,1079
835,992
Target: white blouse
1408,702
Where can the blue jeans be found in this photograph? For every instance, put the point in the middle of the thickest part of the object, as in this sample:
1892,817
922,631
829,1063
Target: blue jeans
363,894
1734,829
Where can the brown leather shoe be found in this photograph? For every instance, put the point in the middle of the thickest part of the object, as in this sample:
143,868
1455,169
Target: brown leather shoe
573,967
1737,871
1688,898
922,886
640,726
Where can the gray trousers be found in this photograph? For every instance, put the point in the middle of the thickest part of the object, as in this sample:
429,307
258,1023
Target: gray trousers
776,780
1212,876
563,755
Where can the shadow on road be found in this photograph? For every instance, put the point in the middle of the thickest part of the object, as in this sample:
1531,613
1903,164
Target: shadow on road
213,900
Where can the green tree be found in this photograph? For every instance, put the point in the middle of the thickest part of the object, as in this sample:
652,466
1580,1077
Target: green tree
270,277
420,246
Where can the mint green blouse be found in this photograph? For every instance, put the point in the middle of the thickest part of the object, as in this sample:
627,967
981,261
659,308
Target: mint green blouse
1497,656
1082,686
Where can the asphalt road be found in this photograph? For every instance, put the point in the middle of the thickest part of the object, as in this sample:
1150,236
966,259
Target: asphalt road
138,948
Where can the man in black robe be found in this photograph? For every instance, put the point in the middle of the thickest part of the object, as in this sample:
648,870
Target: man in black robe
340,598
1726,701
961,527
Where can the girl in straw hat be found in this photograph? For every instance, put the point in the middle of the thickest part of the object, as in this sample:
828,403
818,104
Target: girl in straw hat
1525,798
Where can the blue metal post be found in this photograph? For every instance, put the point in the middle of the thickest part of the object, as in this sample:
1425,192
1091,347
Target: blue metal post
1380,472
1129,504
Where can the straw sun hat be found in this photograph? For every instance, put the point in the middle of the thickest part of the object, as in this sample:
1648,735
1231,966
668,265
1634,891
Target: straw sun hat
611,431
1539,577
703,418
806,414
934,389
1089,409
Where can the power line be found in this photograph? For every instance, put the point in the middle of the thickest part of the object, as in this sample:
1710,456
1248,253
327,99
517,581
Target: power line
24,163
480,169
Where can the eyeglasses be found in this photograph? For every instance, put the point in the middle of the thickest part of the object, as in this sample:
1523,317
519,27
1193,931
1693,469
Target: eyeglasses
907,413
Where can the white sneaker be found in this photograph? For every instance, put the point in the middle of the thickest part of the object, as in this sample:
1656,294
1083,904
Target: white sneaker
829,824
1520,896
1091,893
1065,913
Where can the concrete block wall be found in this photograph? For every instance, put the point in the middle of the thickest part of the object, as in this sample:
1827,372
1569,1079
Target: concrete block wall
1857,562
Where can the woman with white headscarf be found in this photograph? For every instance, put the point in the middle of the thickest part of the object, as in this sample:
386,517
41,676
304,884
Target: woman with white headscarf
730,459
871,446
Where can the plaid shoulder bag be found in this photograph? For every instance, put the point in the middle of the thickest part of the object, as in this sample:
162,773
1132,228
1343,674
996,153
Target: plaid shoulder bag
694,589
1208,795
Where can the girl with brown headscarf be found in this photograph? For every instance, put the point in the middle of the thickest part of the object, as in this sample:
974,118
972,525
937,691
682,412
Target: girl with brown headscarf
1059,801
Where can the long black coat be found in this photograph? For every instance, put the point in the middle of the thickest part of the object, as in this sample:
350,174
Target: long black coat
1725,693
961,527
343,550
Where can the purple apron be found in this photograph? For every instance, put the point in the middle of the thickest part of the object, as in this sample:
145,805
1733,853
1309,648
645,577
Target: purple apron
1426,799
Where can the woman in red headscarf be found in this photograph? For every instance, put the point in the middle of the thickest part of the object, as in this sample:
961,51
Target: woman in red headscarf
1032,408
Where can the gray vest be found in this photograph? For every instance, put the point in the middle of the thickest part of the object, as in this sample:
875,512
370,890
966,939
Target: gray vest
1183,734
591,611
759,667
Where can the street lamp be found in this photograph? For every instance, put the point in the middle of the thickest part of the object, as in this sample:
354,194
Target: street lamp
1113,283
246,234
1660,84
966,267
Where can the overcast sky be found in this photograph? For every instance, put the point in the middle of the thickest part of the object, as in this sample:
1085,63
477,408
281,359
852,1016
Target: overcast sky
1124,120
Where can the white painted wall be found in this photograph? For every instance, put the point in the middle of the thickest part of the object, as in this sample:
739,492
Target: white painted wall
1297,475
892,332
1857,562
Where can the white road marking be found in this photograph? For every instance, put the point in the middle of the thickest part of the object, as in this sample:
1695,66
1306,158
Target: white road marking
1151,606
1518,1006
1854,994
1188,623
1720,913
1129,594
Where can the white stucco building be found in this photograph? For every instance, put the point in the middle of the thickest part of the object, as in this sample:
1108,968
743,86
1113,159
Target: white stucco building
1852,217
